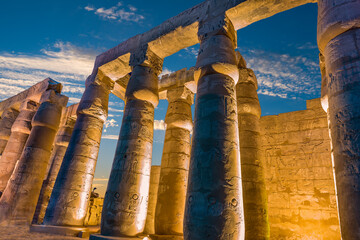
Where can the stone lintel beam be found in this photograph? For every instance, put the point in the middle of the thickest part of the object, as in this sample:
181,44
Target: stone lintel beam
33,93
181,31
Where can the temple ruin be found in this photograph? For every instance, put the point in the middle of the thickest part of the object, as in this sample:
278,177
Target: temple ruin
227,173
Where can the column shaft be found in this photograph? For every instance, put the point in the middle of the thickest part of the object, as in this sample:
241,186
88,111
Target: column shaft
339,41
20,131
7,119
154,186
126,199
174,164
61,143
214,206
18,202
71,193
252,171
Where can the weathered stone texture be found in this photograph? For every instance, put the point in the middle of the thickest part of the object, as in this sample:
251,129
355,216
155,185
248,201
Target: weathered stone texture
154,186
299,176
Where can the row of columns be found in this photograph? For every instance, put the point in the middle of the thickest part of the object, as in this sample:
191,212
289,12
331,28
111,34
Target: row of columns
18,201
222,175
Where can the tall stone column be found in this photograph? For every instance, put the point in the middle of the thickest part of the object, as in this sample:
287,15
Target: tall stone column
214,205
339,42
7,119
126,199
71,193
18,203
252,171
61,143
154,186
20,131
175,163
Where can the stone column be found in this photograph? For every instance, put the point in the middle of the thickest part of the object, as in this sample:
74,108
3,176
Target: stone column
18,203
154,186
71,193
20,131
126,198
214,206
7,119
339,42
61,143
252,171
175,163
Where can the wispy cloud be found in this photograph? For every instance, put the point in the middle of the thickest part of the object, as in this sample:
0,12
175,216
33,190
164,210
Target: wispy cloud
118,12
165,71
159,125
284,75
63,62
111,137
109,123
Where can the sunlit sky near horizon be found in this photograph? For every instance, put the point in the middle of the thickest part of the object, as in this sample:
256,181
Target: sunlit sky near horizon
60,39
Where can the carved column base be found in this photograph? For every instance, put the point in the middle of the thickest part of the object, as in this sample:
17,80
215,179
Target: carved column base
103,237
82,232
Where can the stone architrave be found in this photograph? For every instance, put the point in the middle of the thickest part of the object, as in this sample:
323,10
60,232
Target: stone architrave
70,196
18,202
20,131
170,205
252,169
154,186
7,119
338,37
61,143
126,199
214,205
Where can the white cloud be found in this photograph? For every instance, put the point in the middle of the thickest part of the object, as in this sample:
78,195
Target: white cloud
285,75
118,13
101,179
165,71
110,123
63,62
159,125
111,137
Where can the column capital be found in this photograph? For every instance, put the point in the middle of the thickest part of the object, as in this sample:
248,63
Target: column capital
217,43
29,105
53,97
143,56
181,92
220,25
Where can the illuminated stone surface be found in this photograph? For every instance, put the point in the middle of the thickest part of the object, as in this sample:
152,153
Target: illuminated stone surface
174,163
252,171
126,198
61,143
339,41
154,185
93,216
71,193
18,202
214,206
299,178
20,131
7,119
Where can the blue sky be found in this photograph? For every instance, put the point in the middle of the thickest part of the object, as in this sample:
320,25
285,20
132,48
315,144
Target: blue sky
60,39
